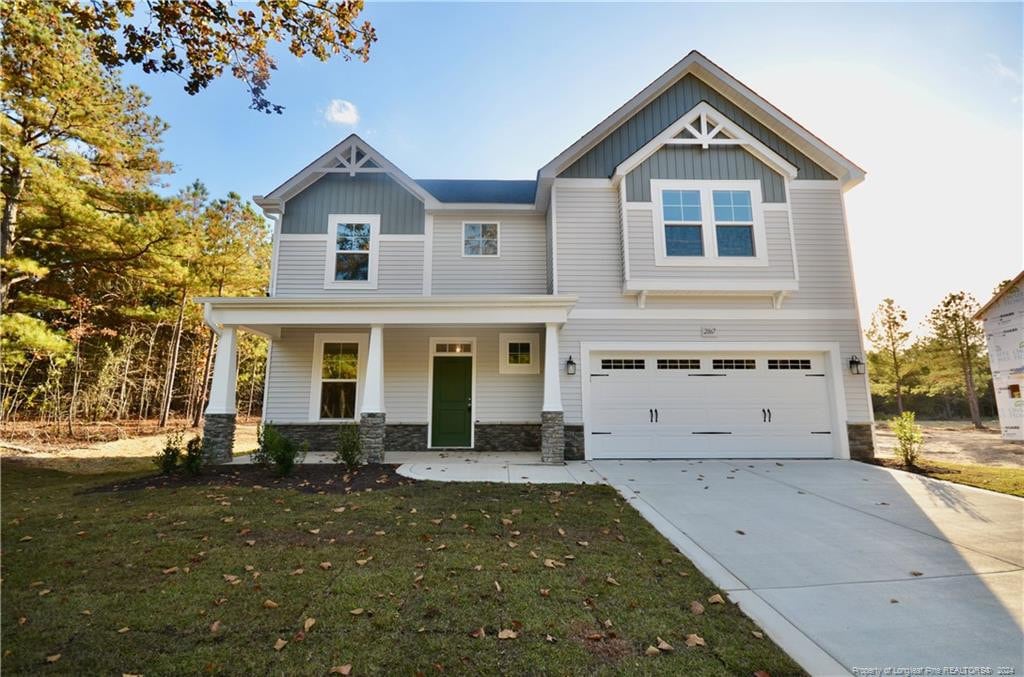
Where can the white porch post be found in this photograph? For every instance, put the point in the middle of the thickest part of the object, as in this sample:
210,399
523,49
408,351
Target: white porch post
219,424
552,428
373,391
225,372
371,413
552,383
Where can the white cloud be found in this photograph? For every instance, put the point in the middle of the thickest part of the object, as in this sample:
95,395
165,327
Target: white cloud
341,112
1001,70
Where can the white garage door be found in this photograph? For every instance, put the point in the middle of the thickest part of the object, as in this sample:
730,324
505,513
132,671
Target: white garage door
708,405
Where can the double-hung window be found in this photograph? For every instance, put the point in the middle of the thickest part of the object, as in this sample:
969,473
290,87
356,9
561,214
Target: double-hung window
708,223
338,361
352,246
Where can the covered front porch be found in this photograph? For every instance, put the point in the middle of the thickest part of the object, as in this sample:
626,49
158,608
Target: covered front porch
467,373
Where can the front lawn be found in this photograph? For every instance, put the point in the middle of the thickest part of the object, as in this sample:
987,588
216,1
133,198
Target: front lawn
420,578
1004,480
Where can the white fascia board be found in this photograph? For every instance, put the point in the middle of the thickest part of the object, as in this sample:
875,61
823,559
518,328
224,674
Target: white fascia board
263,312
748,142
734,90
484,207
710,287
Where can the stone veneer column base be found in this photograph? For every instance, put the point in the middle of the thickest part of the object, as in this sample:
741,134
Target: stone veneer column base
218,437
862,443
371,436
552,437
574,443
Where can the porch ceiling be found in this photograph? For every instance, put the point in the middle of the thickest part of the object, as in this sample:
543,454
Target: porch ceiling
263,315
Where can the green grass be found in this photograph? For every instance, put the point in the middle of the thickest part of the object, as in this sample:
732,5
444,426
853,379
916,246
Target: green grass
105,553
1003,480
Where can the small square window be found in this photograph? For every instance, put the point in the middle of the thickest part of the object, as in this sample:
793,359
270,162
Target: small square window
480,239
519,354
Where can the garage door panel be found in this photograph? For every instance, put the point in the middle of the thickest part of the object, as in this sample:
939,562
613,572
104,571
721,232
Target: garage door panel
706,405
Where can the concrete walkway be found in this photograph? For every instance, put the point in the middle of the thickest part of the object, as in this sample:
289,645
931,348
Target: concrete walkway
850,568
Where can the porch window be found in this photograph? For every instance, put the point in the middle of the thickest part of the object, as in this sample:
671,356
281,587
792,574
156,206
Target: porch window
339,372
518,354
480,239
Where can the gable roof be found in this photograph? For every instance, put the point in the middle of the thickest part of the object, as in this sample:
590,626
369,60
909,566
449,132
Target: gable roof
764,112
471,191
999,295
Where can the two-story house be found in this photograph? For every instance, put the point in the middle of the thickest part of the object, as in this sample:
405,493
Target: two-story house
675,284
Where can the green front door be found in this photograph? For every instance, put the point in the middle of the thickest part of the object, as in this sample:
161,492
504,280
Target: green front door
452,418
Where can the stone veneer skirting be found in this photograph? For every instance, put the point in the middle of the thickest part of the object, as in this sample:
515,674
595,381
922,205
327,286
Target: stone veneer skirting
574,443
552,447
218,437
862,443
413,437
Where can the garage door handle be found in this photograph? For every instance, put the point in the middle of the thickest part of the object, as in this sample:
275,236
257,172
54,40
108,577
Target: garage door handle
651,414
655,415
764,415
769,415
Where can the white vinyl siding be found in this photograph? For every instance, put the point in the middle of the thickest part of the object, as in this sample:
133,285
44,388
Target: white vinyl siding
500,398
520,269
300,269
822,250
589,246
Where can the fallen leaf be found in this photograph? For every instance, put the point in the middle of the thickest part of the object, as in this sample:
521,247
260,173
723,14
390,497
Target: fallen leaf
478,633
123,630
549,638
756,634
250,543
22,620
582,544
611,581
280,644
314,531
762,673
652,651
545,592
362,562
341,509
507,634
664,646
53,659
916,573
357,611
561,531
894,601
478,567
716,599
44,593
695,640
696,608
23,539
741,532
553,563
214,627
172,570
310,622
341,669
86,612
270,604
325,565
298,572
506,521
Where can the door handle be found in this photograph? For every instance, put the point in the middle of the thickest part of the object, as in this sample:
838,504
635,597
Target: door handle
651,412
764,415
655,415
469,404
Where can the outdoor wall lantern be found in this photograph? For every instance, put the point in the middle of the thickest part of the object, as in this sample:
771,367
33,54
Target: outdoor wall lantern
570,367
856,366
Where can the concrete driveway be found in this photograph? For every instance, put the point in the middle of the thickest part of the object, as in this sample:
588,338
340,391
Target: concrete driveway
846,565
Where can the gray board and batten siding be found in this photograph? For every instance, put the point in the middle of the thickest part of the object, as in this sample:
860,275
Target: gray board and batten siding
601,160
401,212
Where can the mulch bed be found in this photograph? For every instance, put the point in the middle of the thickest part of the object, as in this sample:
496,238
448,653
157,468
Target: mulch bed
922,468
321,478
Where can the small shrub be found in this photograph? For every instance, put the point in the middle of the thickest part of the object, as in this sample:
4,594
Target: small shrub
194,455
350,447
278,451
908,438
167,459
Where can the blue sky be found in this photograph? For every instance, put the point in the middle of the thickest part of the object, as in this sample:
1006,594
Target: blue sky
927,98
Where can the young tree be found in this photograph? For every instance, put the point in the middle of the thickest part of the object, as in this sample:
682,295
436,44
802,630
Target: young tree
198,39
889,335
962,338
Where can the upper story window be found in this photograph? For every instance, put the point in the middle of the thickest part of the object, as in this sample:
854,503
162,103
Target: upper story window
708,223
352,256
480,239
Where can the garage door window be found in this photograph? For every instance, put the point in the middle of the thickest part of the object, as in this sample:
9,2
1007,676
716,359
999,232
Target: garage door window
789,364
616,363
672,363
730,363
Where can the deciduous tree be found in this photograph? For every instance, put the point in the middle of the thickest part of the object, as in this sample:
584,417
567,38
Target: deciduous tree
889,335
961,337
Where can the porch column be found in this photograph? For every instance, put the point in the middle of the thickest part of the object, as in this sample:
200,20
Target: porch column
371,414
552,448
219,426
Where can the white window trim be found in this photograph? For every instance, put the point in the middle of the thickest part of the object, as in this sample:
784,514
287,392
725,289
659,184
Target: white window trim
503,364
331,247
431,354
362,340
462,240
711,257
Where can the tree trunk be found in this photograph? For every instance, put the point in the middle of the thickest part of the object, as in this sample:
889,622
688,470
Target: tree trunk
252,389
972,397
172,362
204,384
13,182
75,381
145,372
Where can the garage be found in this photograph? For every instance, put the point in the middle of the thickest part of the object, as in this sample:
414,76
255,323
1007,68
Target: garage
709,405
